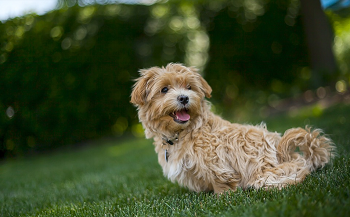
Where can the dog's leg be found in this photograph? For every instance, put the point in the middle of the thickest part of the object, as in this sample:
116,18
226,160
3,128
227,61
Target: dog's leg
220,188
225,181
288,173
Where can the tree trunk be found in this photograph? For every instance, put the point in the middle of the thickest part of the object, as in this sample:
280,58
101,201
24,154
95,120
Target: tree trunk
319,37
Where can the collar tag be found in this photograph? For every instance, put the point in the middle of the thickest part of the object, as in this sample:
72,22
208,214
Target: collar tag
166,155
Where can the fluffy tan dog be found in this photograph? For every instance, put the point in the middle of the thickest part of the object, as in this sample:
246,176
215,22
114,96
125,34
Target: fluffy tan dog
203,152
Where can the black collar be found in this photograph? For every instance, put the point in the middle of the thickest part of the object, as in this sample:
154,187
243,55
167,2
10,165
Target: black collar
171,141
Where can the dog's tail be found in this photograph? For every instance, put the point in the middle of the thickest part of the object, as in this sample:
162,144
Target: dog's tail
316,149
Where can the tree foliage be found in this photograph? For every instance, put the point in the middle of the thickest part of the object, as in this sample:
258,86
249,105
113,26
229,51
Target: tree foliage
263,51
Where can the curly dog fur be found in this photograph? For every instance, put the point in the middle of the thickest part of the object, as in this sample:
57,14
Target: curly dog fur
203,152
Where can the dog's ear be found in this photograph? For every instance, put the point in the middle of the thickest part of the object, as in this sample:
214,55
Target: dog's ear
205,87
139,92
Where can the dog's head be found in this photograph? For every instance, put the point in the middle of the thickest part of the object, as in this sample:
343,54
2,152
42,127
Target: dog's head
169,99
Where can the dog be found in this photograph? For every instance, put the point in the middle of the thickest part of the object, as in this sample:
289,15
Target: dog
203,152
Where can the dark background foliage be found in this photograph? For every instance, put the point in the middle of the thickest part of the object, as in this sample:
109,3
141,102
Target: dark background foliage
265,54
66,76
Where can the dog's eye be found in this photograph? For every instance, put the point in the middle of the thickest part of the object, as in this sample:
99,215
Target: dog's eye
189,87
165,89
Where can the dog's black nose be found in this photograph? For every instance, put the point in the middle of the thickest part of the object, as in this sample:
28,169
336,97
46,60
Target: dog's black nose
183,99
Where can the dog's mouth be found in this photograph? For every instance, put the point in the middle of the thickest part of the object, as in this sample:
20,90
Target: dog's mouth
181,116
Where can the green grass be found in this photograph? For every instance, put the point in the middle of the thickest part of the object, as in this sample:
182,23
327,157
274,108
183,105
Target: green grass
124,179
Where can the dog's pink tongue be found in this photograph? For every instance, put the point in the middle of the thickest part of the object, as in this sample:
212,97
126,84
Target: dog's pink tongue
182,115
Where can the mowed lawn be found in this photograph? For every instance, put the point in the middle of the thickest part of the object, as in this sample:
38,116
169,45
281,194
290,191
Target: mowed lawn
123,178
